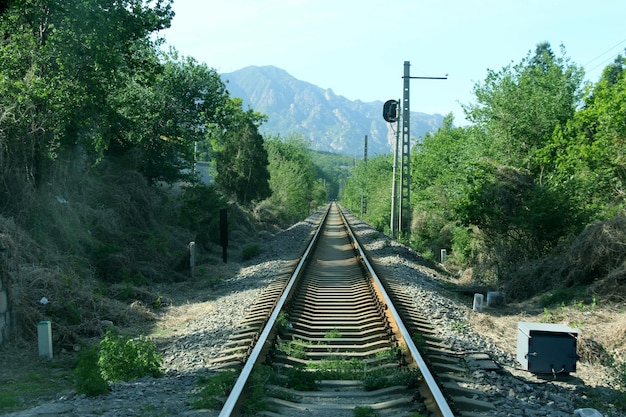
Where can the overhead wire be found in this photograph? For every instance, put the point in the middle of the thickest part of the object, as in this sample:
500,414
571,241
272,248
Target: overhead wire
606,52
603,62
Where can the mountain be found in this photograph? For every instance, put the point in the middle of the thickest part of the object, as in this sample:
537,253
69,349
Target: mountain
331,122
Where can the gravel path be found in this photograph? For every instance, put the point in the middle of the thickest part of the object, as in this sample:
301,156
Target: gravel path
194,332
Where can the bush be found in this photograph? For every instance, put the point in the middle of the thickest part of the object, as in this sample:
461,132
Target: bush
250,250
122,358
89,380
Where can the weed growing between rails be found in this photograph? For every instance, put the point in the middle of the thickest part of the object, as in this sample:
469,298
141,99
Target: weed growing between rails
267,381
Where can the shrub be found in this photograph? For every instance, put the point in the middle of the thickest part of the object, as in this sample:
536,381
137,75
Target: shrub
89,380
250,251
200,205
122,358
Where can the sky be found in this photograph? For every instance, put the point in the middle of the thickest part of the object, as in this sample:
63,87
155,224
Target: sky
358,48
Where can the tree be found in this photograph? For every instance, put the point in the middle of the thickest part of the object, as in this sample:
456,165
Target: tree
515,212
586,158
295,185
58,63
240,157
333,169
440,168
521,105
372,181
163,114
518,219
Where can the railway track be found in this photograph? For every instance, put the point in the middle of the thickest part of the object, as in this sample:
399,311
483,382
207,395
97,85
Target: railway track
328,338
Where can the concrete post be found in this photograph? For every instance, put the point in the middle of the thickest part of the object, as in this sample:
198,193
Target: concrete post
192,258
44,335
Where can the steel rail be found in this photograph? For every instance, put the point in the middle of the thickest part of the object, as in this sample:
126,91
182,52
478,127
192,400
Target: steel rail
232,401
436,392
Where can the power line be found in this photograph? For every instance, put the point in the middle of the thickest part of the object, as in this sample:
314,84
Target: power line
605,61
606,52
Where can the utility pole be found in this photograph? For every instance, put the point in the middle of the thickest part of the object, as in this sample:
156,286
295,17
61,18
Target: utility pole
404,216
364,185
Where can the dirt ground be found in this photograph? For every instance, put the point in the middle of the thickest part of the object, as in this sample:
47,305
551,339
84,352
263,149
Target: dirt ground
601,332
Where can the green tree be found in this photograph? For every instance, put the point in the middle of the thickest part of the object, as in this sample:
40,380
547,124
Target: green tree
371,180
240,156
509,201
521,105
518,219
58,62
586,159
296,188
333,169
441,166
162,115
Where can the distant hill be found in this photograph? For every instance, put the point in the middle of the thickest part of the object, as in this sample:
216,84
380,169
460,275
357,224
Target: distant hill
332,123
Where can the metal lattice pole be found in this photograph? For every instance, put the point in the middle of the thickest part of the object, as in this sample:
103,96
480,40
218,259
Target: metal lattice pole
404,217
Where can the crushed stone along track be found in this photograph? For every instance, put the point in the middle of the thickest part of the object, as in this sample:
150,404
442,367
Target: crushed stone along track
335,339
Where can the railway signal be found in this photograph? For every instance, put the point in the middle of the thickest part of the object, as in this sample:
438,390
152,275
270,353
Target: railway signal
390,111
402,214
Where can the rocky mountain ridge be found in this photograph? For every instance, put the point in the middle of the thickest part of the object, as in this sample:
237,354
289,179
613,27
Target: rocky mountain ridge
329,121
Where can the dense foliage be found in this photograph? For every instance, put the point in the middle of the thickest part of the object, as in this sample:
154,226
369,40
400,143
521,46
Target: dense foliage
543,158
59,64
368,191
87,80
241,159
333,169
295,185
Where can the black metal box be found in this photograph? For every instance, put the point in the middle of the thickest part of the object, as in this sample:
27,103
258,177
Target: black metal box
546,348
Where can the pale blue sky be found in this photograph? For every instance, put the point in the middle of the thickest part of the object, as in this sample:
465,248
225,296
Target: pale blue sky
358,47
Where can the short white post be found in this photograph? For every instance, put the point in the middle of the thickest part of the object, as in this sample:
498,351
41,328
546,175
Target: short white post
44,335
192,258
478,302
444,253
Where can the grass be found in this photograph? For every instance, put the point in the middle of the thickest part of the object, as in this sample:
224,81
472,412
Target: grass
333,334
563,296
460,326
365,412
299,379
295,348
213,389
261,376
305,378
24,384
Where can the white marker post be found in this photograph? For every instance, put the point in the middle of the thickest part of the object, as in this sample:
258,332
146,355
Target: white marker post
44,336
